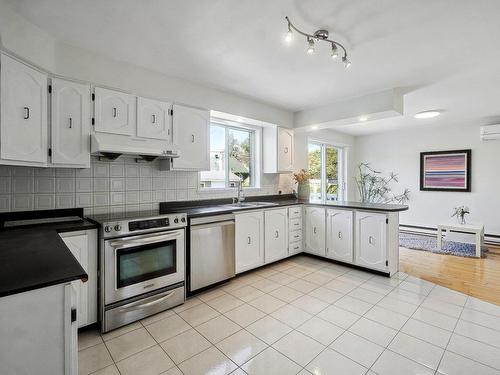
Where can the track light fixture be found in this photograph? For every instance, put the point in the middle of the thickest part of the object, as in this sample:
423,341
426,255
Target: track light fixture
319,35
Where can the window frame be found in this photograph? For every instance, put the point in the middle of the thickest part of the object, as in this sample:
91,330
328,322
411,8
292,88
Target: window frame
255,154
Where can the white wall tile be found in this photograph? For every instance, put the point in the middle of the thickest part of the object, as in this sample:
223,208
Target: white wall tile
5,203
101,184
146,171
146,196
65,200
22,171
23,184
146,183
100,169
65,185
132,183
117,184
83,185
117,170
65,172
83,199
132,197
45,185
44,201
117,198
131,170
22,202
5,185
5,170
101,199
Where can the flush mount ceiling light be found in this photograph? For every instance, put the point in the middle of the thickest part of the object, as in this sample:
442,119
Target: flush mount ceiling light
319,35
427,114
363,118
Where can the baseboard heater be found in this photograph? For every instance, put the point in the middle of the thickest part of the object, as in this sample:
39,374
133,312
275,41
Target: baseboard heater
489,239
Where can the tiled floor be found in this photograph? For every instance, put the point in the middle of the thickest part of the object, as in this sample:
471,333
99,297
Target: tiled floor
307,316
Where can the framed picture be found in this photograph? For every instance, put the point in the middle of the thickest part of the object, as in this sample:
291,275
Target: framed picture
445,170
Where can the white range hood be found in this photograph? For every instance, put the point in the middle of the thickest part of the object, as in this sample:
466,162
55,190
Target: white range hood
111,146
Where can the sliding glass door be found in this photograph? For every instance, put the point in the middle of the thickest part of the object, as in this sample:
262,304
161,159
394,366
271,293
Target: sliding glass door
326,169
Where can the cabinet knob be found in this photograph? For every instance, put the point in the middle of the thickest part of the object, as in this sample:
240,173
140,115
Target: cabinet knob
276,234
340,235
249,240
114,112
192,138
286,150
153,119
70,123
314,230
371,240
26,113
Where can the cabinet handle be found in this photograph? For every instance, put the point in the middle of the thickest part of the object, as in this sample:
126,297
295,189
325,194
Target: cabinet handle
276,234
249,240
153,119
114,111
286,150
26,113
70,123
296,236
340,235
296,248
296,224
314,230
192,138
371,240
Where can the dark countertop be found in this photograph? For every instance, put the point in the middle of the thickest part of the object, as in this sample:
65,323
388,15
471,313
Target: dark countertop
35,256
219,206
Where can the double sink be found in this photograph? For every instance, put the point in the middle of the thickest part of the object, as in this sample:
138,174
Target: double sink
248,205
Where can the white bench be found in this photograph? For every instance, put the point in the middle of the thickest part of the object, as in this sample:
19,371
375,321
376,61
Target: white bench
476,229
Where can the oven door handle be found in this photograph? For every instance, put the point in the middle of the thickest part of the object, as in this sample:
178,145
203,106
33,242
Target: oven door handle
148,302
143,241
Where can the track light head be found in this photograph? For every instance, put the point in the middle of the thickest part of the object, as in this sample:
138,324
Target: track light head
346,61
289,35
335,51
310,49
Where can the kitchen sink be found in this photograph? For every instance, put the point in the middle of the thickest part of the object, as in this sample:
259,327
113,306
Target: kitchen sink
250,204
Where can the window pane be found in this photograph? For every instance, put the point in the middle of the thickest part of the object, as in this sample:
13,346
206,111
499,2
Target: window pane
216,177
240,156
314,166
332,177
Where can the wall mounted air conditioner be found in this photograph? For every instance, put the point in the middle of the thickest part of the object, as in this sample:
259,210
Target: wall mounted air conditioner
490,132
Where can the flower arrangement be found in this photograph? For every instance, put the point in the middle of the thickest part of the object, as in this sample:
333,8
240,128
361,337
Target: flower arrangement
375,188
460,213
301,176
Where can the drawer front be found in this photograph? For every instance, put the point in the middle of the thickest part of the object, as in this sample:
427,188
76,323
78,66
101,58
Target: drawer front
295,236
295,248
295,212
295,224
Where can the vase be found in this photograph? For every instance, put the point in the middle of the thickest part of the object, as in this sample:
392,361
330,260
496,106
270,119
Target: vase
461,220
303,190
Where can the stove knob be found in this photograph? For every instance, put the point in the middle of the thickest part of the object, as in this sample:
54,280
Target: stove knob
183,219
176,220
118,227
108,228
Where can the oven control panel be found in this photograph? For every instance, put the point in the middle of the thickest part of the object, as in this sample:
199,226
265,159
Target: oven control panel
138,225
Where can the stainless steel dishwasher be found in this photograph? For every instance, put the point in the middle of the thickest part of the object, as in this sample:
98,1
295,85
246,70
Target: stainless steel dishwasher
211,250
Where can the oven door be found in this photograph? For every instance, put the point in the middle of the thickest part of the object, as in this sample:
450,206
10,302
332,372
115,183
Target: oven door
140,264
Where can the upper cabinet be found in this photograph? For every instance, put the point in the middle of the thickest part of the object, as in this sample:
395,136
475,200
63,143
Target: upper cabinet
115,112
278,150
70,124
191,138
23,114
153,119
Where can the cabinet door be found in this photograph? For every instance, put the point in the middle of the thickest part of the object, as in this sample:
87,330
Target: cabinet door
315,230
339,232
371,247
23,121
249,240
285,150
191,128
114,112
276,230
153,119
70,125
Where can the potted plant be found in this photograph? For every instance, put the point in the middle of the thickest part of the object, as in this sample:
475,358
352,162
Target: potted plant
301,177
460,213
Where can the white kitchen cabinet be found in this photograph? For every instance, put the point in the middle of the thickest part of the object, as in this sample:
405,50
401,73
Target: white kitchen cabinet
371,240
23,114
153,119
278,150
115,112
83,246
249,240
70,124
315,230
276,234
191,135
37,333
339,234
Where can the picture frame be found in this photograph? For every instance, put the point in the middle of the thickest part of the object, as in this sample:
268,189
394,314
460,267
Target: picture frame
446,170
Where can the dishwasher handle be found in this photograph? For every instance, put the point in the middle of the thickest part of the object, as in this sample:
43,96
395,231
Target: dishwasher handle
211,225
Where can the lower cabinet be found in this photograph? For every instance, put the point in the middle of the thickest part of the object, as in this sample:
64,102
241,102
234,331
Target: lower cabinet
276,234
315,230
339,233
83,246
371,249
249,240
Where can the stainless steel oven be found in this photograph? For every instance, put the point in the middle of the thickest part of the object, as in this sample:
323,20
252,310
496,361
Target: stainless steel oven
142,268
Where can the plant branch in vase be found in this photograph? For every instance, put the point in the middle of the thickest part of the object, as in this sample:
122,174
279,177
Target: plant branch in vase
460,213
301,177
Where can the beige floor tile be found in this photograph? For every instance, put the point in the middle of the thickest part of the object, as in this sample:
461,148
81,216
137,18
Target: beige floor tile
291,315
298,347
110,370
319,278
173,371
310,304
266,285
331,362
366,295
338,316
241,347
210,361
94,358
357,348
225,303
341,286
353,304
282,278
390,363
210,294
373,331
286,293
157,317
185,345
387,317
321,330
218,329
198,314
190,302
303,286
267,303
89,338
419,351
270,361
120,331
244,315
167,328
152,361
268,329
130,343
326,295
247,293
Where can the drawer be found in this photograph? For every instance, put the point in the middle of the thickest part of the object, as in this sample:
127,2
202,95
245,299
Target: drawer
295,212
295,248
295,224
295,236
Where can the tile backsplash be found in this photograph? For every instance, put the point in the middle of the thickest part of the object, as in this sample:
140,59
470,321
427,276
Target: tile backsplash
109,187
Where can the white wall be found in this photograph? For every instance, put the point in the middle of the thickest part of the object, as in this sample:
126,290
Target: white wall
399,151
330,137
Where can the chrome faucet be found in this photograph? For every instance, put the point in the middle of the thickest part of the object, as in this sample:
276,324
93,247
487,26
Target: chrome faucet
240,198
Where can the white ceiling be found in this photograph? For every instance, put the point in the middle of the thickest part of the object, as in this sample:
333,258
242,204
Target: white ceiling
443,52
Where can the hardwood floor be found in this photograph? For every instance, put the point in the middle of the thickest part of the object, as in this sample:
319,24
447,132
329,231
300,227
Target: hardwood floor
476,277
